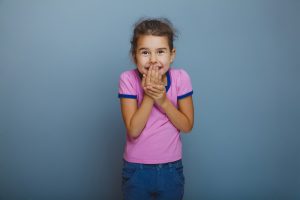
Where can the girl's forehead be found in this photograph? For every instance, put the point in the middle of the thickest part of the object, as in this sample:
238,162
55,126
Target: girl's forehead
152,41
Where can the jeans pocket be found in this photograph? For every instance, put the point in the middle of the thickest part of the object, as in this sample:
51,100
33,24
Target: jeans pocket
128,174
178,175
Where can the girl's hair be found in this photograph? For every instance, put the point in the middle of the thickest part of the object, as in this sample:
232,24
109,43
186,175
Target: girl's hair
153,26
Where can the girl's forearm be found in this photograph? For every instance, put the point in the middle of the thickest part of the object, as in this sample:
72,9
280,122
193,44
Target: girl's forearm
140,117
178,119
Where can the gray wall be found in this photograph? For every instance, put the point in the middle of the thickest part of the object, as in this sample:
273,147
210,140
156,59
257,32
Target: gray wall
61,132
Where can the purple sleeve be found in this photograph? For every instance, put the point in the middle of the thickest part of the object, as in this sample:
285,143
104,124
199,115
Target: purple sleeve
126,86
185,85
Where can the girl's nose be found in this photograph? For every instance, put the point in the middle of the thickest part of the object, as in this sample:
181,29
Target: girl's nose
153,58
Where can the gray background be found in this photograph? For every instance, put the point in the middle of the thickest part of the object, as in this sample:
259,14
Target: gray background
61,132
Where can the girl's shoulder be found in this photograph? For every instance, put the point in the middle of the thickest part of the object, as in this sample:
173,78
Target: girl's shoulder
178,72
129,74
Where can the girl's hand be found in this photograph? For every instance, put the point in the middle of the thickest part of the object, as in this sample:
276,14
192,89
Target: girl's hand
144,86
153,85
157,93
153,76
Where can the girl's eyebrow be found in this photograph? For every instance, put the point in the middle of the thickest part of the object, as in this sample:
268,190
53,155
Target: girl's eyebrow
144,48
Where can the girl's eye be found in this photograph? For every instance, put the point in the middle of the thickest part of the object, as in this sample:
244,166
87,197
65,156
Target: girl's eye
145,53
161,52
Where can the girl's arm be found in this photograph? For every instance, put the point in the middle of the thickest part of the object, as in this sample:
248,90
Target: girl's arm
183,117
136,118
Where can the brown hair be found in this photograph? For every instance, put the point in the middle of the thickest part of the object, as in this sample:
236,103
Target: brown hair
153,26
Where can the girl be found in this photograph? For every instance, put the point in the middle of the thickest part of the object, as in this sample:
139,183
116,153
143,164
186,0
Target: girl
156,103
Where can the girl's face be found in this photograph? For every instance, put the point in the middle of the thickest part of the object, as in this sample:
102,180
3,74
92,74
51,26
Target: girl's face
153,51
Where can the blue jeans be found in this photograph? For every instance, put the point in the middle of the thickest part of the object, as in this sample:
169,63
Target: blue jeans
153,181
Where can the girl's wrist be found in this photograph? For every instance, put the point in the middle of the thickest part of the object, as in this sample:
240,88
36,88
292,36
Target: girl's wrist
147,98
163,102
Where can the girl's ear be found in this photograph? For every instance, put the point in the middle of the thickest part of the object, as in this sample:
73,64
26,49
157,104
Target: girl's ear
133,57
173,54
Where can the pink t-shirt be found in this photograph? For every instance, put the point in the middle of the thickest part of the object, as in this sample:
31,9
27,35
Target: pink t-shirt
160,140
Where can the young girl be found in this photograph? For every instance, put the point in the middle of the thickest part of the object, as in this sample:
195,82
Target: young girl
156,103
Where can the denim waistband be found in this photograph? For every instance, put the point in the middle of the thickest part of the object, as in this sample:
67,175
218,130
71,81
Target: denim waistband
177,163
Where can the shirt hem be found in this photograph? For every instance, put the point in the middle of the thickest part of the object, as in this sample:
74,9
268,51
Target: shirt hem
159,161
185,95
127,96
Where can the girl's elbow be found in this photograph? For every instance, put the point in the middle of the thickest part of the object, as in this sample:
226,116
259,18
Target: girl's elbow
188,128
133,134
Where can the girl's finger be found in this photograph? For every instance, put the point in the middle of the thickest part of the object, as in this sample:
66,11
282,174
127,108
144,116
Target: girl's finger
152,94
153,74
143,80
148,79
159,87
160,78
155,89
156,75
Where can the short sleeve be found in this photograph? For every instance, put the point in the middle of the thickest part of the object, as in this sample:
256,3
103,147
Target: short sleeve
126,86
185,85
